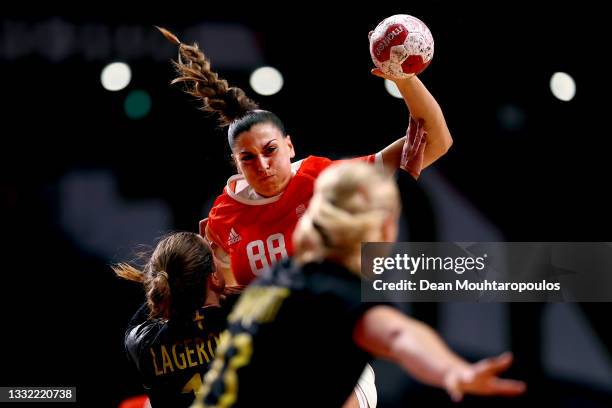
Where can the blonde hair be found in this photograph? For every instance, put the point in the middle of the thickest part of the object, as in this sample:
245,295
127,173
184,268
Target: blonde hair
351,202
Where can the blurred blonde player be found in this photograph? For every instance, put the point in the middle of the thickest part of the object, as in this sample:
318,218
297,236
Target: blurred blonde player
300,336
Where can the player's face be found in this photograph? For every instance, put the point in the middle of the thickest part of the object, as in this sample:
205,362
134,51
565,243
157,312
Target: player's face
264,156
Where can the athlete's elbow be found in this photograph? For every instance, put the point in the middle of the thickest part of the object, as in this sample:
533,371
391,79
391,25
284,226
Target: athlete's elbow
440,146
447,142
439,137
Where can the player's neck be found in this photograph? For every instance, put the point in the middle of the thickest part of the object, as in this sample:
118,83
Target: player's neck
212,298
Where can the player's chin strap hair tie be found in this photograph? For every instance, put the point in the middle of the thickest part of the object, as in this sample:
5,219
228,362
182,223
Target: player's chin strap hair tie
164,274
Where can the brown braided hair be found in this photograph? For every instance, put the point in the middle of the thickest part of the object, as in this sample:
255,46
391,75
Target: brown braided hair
193,69
233,107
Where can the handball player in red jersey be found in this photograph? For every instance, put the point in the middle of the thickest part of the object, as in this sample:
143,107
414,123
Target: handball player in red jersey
252,221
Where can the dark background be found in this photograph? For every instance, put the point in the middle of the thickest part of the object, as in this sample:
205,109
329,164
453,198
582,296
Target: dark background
82,185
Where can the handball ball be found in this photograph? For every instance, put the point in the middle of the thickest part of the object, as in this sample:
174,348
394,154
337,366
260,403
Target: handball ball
401,46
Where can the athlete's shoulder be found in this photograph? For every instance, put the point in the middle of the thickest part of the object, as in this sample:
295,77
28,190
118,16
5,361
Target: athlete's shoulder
223,199
331,278
225,205
140,337
312,165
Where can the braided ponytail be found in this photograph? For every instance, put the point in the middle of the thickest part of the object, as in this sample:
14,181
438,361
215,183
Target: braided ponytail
159,295
194,71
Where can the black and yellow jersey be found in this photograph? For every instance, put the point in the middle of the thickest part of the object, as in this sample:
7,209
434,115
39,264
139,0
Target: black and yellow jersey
290,341
173,356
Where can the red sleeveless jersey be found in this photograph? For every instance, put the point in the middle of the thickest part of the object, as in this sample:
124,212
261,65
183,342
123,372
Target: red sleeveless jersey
256,233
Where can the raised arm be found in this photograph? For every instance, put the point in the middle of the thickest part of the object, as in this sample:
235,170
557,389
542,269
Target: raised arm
387,333
427,137
421,105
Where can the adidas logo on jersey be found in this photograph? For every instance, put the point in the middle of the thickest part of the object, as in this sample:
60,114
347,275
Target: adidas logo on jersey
233,237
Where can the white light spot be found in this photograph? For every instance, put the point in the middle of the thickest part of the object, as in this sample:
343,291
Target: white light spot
116,76
392,89
266,81
563,86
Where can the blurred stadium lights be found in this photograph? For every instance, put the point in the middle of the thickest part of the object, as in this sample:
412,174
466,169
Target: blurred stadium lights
563,86
109,225
266,81
137,104
116,76
511,117
229,45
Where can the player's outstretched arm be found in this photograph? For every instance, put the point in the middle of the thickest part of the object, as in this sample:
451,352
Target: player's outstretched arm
387,333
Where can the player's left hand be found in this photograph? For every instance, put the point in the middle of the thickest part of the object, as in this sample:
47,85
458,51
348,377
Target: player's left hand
414,148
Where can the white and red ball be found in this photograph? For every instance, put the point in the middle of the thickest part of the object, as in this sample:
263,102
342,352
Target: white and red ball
401,46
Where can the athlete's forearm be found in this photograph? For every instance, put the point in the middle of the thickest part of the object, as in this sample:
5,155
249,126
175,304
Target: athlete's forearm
422,105
387,333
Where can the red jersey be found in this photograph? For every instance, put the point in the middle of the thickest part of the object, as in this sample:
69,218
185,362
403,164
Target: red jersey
255,231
